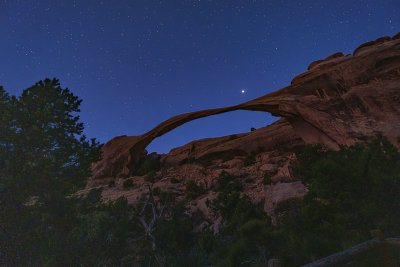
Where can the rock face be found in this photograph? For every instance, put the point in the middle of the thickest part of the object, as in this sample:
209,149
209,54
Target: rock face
281,193
266,138
339,101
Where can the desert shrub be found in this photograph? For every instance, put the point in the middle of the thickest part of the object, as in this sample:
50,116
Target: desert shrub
193,190
146,164
177,240
252,244
150,177
266,179
249,180
156,191
187,161
352,191
174,181
209,243
166,196
250,159
290,205
233,207
228,182
111,183
232,245
124,176
127,183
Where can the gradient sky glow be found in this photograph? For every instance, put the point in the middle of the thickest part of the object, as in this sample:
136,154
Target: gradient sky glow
136,63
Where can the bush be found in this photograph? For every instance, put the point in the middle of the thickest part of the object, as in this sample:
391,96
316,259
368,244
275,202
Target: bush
250,159
351,192
156,191
124,176
187,161
174,181
166,196
249,180
146,164
228,182
150,177
193,190
111,183
128,183
266,179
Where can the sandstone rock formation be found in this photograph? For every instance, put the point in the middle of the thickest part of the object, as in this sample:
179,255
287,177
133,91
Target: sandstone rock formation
265,138
339,101
278,194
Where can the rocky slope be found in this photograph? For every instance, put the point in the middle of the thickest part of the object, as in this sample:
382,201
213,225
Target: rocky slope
340,100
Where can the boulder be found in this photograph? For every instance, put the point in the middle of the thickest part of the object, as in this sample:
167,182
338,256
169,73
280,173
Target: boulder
281,193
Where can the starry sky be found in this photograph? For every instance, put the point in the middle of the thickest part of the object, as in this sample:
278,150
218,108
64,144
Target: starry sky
136,63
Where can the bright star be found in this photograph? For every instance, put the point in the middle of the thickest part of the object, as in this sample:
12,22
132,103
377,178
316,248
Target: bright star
243,91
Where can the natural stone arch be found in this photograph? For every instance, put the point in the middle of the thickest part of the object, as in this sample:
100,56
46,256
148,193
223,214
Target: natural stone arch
120,153
323,105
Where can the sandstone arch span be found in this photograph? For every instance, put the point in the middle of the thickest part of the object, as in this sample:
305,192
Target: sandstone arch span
335,102
125,150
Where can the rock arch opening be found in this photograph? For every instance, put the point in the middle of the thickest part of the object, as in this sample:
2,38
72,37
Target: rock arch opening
226,124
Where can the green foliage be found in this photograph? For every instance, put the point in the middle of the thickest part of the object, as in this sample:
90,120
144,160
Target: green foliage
188,160
193,190
147,164
176,239
174,181
156,191
234,208
124,176
44,139
150,177
249,180
233,245
352,191
266,179
250,159
43,156
111,183
228,183
360,183
127,183
167,197
251,247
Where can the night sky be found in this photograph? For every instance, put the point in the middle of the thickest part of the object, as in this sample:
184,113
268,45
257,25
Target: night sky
136,63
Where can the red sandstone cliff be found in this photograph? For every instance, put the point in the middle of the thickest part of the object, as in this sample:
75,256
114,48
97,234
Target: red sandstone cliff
340,100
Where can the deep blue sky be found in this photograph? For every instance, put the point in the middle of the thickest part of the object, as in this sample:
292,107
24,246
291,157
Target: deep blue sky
136,63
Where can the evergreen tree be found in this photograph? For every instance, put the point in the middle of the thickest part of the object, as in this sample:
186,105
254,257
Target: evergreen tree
43,158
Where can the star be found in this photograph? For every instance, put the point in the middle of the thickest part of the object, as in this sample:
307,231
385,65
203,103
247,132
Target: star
243,91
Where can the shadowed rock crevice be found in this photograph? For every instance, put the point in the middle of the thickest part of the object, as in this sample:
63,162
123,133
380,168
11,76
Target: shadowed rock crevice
339,101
